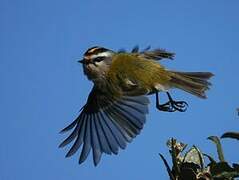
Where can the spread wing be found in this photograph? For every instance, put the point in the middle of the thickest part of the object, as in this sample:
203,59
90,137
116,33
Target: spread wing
156,54
106,124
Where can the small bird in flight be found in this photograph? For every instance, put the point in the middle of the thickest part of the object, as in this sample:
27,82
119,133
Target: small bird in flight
116,109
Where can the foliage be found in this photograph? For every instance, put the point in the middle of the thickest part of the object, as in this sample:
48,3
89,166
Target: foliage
191,165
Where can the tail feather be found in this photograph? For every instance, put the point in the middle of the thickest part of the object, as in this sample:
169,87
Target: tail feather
195,83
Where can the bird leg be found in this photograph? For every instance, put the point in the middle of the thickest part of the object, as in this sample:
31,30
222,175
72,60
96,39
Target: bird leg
171,105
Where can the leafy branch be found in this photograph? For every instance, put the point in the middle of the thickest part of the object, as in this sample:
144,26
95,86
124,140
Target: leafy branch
191,165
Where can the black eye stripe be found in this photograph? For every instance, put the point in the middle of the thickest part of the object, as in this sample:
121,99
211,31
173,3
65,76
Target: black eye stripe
98,59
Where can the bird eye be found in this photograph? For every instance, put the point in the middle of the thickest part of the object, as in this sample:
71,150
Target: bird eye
98,59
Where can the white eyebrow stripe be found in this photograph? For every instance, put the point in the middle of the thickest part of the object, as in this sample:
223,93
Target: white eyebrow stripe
103,54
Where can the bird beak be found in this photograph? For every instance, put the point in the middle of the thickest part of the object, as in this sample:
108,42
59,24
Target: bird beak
81,61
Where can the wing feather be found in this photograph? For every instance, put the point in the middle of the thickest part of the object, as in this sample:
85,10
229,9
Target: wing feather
73,135
102,135
111,140
79,138
95,143
106,125
87,141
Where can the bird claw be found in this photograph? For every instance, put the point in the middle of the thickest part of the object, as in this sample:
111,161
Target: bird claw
180,106
172,106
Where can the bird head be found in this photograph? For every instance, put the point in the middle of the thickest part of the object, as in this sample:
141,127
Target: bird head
96,62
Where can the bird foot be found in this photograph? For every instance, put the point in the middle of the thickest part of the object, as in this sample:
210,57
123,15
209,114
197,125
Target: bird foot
172,106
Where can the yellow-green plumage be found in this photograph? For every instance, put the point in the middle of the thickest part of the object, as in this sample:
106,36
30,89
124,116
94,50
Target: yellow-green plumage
148,76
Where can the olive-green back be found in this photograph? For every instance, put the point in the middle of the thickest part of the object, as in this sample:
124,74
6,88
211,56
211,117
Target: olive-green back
143,72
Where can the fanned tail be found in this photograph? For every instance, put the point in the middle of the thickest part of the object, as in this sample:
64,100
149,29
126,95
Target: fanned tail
195,83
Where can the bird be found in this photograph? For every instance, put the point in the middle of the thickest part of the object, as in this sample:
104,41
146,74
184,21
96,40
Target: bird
116,108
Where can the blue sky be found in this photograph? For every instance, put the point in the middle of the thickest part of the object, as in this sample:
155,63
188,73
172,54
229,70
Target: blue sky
43,86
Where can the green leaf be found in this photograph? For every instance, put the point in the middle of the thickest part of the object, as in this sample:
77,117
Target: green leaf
223,170
216,140
210,158
167,167
194,156
233,135
227,175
